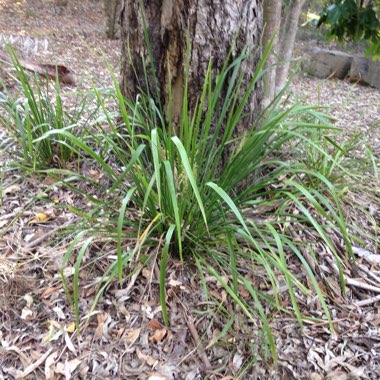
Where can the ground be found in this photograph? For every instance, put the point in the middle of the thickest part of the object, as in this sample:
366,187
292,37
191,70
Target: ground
123,338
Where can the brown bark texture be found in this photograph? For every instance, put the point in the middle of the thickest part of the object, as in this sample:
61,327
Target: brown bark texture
212,26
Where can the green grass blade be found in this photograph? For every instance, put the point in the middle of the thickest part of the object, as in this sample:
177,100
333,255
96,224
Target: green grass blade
173,197
120,232
322,234
313,280
190,176
156,162
263,318
65,260
243,306
77,141
230,203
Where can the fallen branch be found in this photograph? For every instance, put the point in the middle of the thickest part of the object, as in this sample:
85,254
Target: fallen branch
367,255
355,283
45,70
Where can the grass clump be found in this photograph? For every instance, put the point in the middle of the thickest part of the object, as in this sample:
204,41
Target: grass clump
171,189
30,116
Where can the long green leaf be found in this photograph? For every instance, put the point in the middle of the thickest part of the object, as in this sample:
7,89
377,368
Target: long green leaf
156,162
120,232
173,198
190,176
229,202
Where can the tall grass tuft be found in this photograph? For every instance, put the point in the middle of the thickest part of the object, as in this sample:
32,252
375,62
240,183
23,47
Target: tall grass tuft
29,116
171,188
228,216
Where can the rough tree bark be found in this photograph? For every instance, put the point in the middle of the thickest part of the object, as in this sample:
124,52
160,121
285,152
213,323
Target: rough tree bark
286,45
212,26
272,23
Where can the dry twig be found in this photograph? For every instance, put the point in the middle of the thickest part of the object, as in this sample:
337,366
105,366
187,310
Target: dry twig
194,333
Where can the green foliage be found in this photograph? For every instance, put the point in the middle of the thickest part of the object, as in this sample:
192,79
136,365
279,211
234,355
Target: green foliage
31,115
193,204
320,152
352,20
170,189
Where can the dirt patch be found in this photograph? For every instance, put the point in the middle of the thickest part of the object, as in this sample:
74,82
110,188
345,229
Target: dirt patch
73,35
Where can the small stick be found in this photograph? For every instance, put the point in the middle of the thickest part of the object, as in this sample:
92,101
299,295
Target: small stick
352,282
15,213
39,240
35,365
195,335
362,285
367,271
368,301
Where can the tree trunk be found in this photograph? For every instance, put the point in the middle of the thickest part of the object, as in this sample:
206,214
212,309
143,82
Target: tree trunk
272,23
212,25
288,37
112,8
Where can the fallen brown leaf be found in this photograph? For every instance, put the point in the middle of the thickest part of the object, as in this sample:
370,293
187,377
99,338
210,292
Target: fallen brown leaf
132,335
101,319
158,335
47,292
51,71
12,189
157,376
146,358
154,324
69,344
